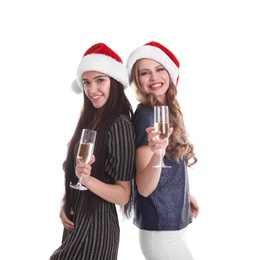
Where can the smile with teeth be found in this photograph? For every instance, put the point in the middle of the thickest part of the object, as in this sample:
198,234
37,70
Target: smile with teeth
95,97
157,85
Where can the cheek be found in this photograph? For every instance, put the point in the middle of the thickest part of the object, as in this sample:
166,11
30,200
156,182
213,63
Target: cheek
143,82
106,97
166,77
85,91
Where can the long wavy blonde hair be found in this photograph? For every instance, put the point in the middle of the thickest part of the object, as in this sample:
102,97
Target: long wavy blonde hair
179,144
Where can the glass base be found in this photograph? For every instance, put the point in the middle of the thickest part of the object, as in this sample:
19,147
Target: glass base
161,166
78,186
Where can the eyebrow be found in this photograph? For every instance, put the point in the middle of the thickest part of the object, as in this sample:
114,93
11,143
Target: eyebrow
98,76
156,67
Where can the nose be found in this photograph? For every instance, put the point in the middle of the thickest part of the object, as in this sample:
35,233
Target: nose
92,88
153,76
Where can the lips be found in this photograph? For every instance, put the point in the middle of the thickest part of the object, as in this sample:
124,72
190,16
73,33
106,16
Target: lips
95,97
156,86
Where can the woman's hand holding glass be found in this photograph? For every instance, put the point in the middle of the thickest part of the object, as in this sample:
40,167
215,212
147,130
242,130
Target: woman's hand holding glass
157,146
84,154
161,124
83,170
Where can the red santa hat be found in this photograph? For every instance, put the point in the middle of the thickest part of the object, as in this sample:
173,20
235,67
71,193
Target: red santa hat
100,58
155,51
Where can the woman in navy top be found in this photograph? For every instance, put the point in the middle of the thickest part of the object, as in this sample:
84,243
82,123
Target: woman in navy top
163,207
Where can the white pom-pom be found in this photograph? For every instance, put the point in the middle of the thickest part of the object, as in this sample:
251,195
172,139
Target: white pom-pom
75,87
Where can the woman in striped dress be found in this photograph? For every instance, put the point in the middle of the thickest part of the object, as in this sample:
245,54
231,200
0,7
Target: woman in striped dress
91,227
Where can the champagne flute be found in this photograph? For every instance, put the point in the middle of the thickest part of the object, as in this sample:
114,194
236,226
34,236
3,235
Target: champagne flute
161,123
85,151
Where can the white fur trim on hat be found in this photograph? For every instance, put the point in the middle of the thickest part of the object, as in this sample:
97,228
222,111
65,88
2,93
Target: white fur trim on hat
154,53
100,63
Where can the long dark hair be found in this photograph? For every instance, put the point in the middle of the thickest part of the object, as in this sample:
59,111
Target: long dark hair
100,120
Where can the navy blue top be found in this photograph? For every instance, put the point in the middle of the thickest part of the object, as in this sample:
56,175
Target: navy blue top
168,206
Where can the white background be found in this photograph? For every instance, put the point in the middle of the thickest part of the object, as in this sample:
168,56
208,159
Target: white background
42,43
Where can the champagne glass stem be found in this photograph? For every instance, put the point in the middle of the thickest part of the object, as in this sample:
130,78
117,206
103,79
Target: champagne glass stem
160,164
80,180
161,158
80,184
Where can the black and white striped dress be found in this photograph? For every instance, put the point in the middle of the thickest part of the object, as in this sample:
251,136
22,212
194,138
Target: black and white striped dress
97,237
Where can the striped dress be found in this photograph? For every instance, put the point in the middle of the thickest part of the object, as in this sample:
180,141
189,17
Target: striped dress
97,237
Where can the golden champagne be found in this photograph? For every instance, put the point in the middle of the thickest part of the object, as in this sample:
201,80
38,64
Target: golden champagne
85,152
163,128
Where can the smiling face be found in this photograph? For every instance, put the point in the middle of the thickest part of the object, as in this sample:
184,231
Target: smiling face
96,86
153,78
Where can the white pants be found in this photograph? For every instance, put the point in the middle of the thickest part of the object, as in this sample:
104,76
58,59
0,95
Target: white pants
164,245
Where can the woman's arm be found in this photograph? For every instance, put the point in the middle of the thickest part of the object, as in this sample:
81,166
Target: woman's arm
147,177
118,193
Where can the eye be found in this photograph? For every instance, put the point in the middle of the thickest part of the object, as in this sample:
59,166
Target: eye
143,73
86,82
160,69
100,80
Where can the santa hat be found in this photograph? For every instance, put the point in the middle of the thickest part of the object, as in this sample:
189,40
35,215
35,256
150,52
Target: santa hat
100,58
155,51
